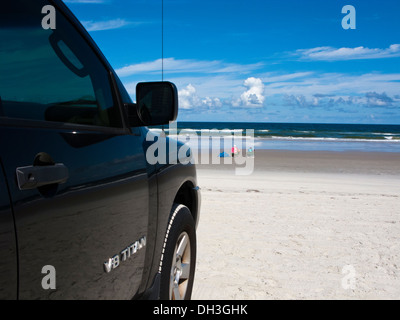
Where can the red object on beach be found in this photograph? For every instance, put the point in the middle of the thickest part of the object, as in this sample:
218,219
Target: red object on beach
235,150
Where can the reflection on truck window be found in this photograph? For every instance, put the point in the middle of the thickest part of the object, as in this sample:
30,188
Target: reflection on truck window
50,75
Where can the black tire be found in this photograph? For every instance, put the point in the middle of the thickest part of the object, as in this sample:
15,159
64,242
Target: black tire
178,260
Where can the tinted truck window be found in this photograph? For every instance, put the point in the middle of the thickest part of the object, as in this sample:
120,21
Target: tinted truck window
50,74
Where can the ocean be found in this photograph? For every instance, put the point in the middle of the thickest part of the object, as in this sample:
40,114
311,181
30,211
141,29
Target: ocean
301,136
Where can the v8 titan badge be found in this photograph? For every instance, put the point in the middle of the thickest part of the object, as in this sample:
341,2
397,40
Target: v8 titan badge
125,254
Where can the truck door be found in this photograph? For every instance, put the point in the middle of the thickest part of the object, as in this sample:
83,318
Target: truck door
77,178
8,253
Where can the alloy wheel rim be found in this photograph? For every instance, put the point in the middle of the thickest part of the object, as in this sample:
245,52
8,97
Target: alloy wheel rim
180,269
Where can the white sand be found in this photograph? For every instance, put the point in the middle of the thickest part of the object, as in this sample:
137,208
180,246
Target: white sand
299,234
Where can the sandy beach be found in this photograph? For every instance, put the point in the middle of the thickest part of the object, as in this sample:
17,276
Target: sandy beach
304,225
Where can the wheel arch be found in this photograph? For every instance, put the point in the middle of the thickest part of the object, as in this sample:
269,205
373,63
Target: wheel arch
188,195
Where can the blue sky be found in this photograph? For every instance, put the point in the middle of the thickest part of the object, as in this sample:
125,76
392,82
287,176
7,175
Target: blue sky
257,60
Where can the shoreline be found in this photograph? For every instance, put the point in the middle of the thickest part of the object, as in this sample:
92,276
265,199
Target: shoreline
213,144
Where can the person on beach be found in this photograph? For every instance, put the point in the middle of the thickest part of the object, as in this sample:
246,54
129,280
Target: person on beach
250,152
235,150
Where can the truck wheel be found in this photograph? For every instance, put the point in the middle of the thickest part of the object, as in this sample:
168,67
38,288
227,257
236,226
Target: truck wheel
178,260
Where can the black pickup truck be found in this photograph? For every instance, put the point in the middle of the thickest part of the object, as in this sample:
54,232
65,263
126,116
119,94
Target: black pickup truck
83,214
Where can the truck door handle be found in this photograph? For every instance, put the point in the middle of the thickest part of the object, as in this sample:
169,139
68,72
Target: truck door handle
32,177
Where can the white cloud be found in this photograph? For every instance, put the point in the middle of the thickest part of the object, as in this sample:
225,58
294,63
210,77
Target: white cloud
172,66
254,96
322,101
222,86
338,84
369,99
203,85
145,67
333,90
302,89
189,99
105,25
211,102
336,54
375,99
273,78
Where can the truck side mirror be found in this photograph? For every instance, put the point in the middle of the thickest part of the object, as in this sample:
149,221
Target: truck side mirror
157,104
